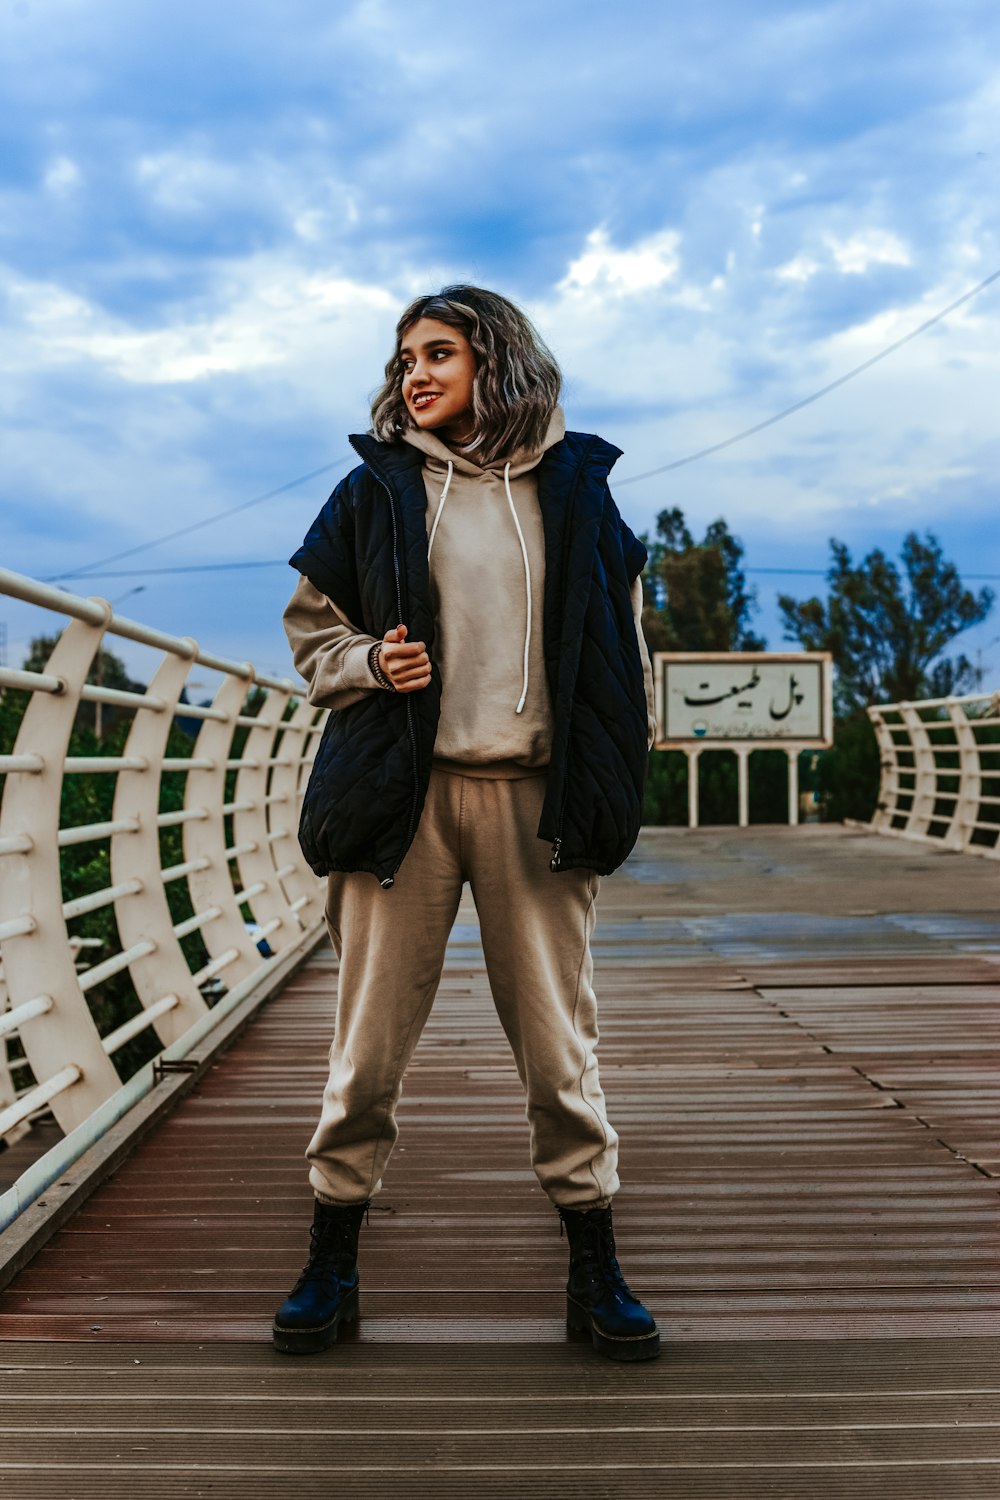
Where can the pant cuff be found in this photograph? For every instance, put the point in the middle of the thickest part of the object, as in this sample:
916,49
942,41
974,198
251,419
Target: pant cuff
582,1208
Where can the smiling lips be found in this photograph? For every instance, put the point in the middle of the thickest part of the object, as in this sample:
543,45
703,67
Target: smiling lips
424,399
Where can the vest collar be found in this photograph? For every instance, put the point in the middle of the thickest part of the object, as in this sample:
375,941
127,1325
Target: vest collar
393,461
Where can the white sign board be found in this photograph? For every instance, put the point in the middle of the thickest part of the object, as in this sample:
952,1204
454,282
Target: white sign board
722,698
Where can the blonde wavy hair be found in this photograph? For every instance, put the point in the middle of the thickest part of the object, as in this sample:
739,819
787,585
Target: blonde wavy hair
517,381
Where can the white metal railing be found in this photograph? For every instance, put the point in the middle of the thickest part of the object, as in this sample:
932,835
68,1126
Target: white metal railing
238,855
940,781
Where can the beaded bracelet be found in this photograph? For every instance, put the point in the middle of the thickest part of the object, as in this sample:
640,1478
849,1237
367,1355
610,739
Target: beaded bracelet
376,671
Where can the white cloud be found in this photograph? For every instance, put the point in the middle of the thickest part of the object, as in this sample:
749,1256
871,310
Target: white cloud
621,322
62,175
853,256
873,247
45,307
310,225
802,268
649,263
182,182
273,315
968,335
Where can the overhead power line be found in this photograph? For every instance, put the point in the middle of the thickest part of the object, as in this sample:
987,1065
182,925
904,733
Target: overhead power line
171,536
214,567
822,572
280,562
789,411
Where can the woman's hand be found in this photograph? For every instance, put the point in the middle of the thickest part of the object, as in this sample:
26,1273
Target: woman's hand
405,663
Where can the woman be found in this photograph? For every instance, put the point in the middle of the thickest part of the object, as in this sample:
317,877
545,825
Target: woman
468,608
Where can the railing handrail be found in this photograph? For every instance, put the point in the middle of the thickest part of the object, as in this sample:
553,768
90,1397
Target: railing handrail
97,611
993,696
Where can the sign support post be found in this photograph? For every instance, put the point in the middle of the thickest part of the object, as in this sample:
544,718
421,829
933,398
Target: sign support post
693,756
793,787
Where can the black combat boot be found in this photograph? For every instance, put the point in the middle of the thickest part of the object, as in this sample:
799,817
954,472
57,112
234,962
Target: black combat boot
326,1294
598,1300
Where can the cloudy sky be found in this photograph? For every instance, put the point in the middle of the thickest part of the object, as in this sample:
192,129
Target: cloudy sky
211,215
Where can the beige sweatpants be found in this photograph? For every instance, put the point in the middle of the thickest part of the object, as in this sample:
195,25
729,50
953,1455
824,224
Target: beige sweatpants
535,928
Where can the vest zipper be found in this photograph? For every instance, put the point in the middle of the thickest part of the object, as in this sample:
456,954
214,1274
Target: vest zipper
390,880
556,860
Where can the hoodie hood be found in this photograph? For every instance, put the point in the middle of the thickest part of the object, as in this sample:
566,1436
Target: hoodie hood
438,455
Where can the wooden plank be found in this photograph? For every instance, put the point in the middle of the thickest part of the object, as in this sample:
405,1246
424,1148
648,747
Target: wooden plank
796,1091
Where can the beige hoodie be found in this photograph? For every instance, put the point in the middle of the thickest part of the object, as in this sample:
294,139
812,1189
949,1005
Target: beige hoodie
487,561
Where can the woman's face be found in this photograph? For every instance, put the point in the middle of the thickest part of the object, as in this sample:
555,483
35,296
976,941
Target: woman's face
439,368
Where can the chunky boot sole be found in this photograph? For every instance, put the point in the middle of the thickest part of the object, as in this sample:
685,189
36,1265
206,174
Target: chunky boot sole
313,1340
646,1346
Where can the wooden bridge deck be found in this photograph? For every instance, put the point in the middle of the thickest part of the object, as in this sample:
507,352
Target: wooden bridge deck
800,1046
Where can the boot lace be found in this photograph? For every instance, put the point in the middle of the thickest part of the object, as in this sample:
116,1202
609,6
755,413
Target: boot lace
596,1254
332,1252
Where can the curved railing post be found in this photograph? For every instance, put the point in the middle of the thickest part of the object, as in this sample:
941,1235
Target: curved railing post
300,736
924,772
232,952
272,911
970,780
142,910
889,785
60,1041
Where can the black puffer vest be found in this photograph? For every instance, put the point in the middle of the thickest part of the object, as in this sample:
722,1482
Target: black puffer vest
367,551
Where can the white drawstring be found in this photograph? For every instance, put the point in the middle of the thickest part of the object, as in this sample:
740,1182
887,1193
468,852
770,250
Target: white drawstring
444,496
524,554
527,584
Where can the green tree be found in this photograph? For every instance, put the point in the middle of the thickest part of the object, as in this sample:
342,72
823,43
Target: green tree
888,630
696,593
